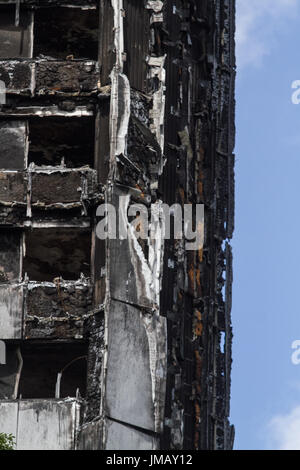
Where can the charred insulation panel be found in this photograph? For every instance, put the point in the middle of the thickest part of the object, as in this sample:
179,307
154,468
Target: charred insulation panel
57,310
66,77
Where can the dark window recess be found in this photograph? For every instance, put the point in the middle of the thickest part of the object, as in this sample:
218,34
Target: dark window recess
61,32
12,145
15,41
53,140
51,253
9,255
41,364
8,372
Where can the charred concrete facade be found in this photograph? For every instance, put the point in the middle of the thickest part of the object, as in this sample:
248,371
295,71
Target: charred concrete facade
115,344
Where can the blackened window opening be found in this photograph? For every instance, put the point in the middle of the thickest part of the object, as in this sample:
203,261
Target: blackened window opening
10,253
61,33
15,41
43,361
52,253
55,140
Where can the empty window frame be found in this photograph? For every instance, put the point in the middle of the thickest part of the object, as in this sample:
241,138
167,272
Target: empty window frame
15,32
64,32
57,252
43,361
56,139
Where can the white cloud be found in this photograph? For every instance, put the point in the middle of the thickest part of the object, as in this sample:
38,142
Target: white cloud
284,431
258,23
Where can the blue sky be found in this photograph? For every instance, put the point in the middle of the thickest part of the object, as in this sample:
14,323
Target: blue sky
265,406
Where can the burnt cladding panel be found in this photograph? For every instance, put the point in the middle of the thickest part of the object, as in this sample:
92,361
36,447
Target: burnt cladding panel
136,32
66,77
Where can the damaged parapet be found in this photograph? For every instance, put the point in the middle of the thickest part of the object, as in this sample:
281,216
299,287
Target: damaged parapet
123,102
